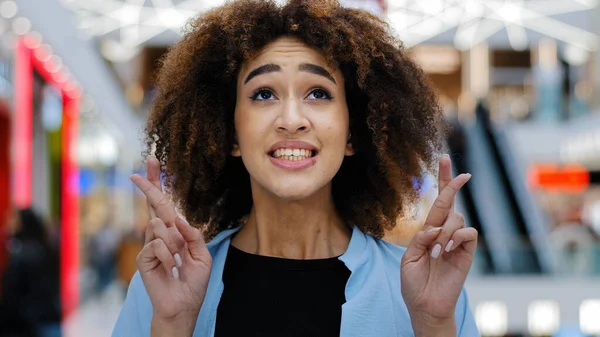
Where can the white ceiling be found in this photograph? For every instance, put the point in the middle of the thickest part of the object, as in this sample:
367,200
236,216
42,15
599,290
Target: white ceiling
125,25
511,23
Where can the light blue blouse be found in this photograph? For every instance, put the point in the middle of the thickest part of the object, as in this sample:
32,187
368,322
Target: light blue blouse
374,305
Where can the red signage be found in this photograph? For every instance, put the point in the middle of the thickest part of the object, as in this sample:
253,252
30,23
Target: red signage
567,178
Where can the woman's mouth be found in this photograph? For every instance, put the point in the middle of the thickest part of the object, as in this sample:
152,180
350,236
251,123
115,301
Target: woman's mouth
293,158
292,154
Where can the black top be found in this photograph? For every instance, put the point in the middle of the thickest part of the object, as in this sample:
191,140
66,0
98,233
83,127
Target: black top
30,289
269,296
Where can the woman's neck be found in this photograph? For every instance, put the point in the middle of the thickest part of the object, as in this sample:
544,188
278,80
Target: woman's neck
306,229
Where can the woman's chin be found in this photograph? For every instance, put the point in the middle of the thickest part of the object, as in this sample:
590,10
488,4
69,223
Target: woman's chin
292,196
294,193
289,188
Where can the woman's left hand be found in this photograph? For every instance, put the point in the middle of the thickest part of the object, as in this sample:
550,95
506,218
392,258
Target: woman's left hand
435,265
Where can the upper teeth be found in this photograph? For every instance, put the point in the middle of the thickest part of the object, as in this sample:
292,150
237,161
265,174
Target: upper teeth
292,152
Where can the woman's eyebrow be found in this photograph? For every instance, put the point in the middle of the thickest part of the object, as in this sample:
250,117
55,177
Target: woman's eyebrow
307,67
267,68
317,70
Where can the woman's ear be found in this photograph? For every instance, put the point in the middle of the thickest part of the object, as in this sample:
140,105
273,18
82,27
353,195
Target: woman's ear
349,148
235,151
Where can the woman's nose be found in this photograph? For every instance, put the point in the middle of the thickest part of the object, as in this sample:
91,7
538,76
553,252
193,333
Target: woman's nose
291,118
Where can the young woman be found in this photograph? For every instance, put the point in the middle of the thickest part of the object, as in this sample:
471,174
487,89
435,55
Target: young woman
290,136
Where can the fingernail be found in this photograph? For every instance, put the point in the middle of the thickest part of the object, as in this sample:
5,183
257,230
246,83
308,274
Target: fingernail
446,155
178,259
449,245
434,229
175,273
435,253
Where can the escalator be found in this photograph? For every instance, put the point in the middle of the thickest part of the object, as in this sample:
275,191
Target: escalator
496,201
532,221
464,203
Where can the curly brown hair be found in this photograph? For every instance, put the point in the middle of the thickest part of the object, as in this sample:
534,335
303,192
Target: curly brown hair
394,114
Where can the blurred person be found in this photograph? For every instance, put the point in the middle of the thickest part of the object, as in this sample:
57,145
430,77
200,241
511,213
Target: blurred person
103,255
291,136
572,240
131,245
590,210
573,249
30,302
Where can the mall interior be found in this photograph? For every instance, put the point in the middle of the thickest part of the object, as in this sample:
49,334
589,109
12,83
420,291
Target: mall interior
519,81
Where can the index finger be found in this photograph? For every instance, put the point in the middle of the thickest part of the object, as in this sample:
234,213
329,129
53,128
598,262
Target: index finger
156,199
444,172
153,175
445,175
443,204
153,172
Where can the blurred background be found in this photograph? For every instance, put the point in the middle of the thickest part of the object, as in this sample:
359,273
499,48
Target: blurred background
518,79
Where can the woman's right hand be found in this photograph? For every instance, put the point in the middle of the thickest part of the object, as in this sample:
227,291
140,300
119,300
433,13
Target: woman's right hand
174,264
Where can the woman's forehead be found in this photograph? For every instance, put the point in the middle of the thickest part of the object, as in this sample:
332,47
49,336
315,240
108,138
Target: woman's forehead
284,52
291,56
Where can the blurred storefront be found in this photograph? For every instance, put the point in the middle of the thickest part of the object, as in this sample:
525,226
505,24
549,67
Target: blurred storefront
68,140
5,134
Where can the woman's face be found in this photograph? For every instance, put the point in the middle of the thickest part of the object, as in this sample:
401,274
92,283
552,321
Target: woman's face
13,223
291,120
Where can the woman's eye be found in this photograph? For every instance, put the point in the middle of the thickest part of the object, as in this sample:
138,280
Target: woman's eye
319,94
263,95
